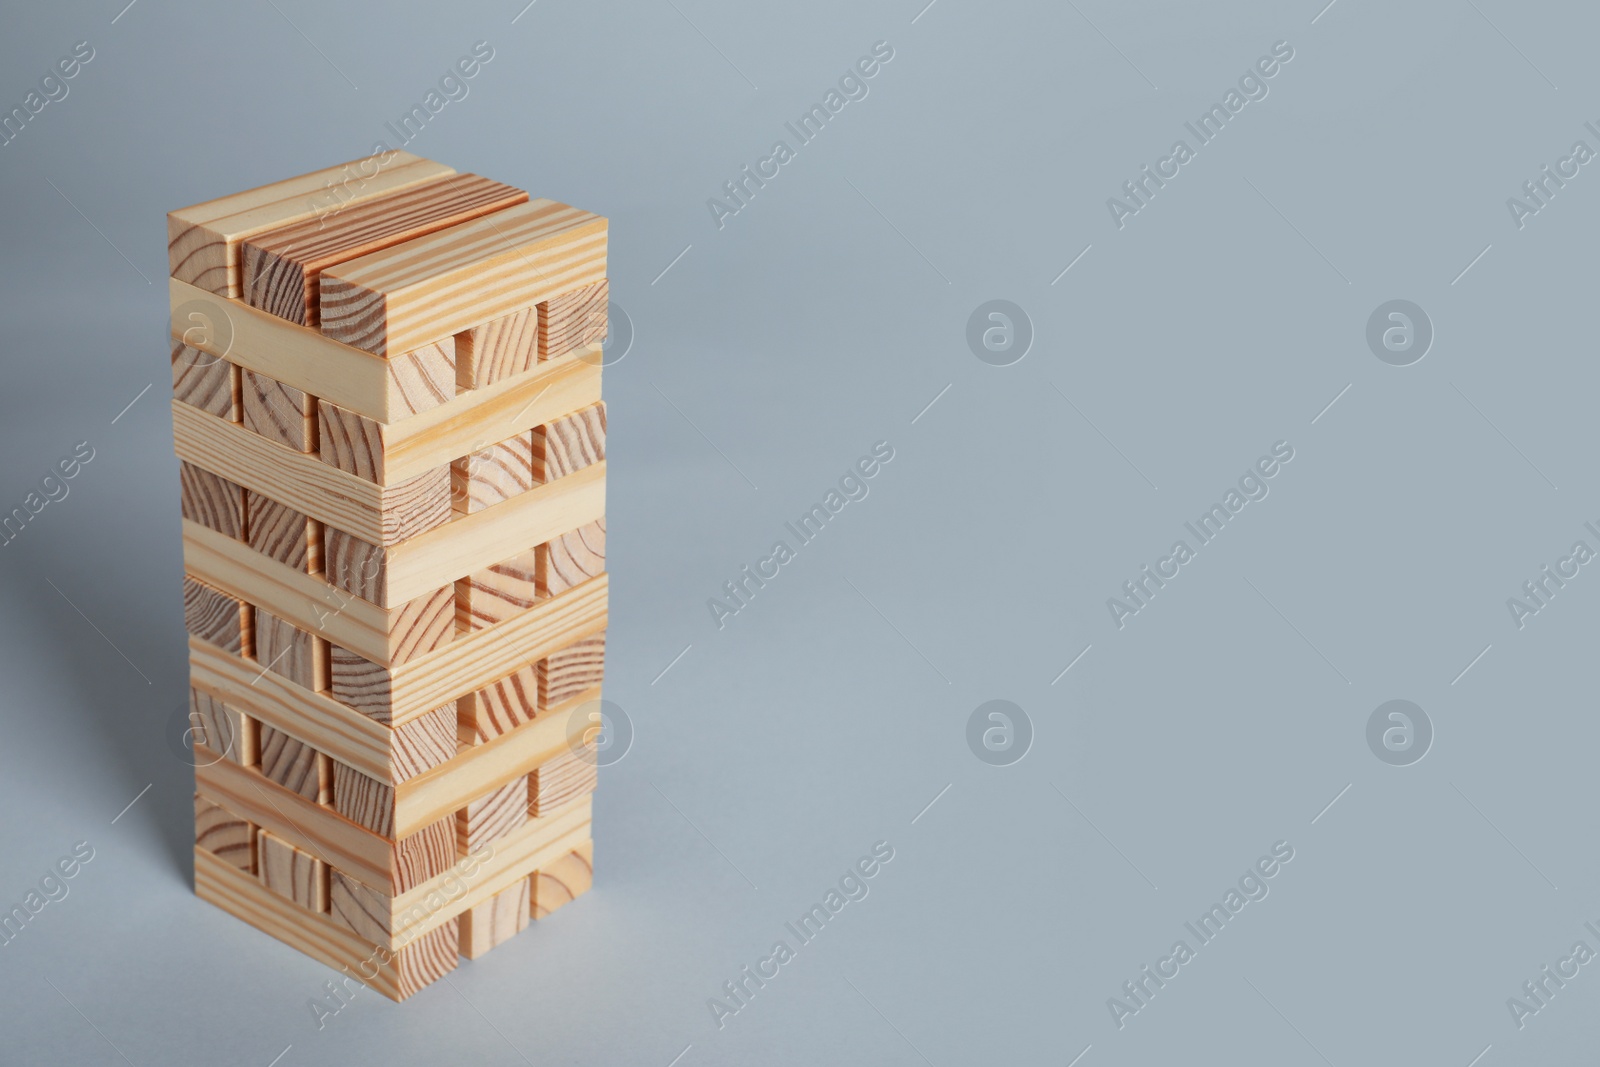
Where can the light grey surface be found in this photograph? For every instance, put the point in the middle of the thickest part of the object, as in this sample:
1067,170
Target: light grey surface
825,716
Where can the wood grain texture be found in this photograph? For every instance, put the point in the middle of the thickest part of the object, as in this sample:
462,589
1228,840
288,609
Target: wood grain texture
422,855
579,666
363,800
384,635
211,500
316,935
570,559
224,730
382,514
564,880
428,958
566,445
497,350
495,921
491,474
282,266
497,593
448,787
224,834
351,442
356,565
290,652
436,286
204,381
280,413
203,239
282,533
383,389
492,816
295,765
292,874
475,542
560,780
573,319
217,618
498,707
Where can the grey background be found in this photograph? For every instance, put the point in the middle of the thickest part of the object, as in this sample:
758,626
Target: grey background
826,716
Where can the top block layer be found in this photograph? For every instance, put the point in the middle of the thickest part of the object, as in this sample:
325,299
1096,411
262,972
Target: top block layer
203,240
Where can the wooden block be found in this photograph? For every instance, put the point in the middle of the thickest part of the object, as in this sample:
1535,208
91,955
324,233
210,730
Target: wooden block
560,780
497,350
570,671
429,958
492,474
284,534
279,412
427,853
282,266
295,765
363,800
418,292
290,873
500,706
361,684
355,443
570,559
225,835
570,444
224,730
498,919
290,652
355,565
383,514
573,319
492,816
563,880
204,381
203,240
211,500
497,593
216,617
383,388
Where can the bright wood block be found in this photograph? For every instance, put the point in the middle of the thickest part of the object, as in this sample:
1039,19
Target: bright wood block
571,559
497,350
567,445
573,319
280,413
491,474
204,381
291,873
224,835
563,881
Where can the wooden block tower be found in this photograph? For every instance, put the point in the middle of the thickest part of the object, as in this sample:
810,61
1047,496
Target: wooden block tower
386,408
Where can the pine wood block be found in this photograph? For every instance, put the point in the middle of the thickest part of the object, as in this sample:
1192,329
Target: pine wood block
224,730
492,816
495,921
395,974
279,412
282,533
497,350
203,240
295,765
291,873
564,880
224,835
363,800
422,290
204,381
290,652
573,319
382,514
384,635
492,474
453,784
214,616
498,707
497,593
419,746
560,780
282,266
570,559
396,918
564,674
386,389
211,500
354,443
564,446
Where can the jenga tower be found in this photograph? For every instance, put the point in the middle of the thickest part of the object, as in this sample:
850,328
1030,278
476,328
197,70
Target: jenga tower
386,404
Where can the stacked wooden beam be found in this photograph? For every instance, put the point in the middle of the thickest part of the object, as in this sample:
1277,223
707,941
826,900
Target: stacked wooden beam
386,406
